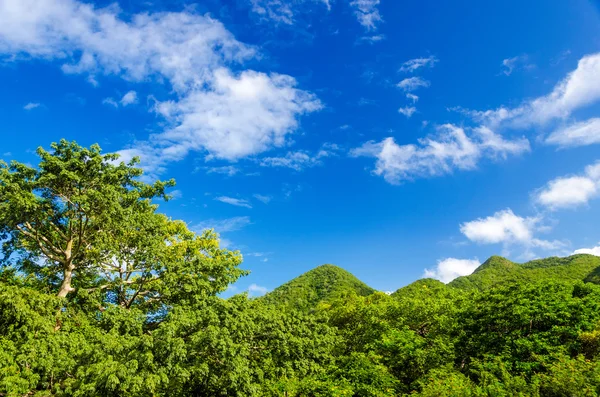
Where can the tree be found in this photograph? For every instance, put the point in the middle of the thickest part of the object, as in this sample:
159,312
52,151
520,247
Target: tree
69,219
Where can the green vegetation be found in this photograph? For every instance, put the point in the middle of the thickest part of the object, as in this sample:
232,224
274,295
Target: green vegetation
498,270
102,295
325,283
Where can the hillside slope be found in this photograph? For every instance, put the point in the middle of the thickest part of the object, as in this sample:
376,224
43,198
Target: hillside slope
497,270
322,284
427,287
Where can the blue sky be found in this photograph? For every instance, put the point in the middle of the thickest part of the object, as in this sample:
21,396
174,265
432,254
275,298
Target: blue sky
396,139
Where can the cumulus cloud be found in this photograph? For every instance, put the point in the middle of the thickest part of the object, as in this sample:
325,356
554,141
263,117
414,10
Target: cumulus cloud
440,154
407,110
577,134
418,63
367,13
507,228
32,105
234,201
571,191
213,110
412,83
257,290
591,251
520,62
451,268
129,99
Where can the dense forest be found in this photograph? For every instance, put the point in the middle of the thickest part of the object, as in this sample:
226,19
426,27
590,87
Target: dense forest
103,295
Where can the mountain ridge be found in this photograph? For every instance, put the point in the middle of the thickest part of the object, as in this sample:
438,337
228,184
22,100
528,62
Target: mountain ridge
328,282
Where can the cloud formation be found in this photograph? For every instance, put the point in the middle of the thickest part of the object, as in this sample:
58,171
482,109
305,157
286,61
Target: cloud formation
255,290
413,83
440,154
367,13
591,251
504,227
407,110
32,105
451,268
234,201
223,225
578,89
571,191
282,11
302,159
520,62
577,134
414,64
213,110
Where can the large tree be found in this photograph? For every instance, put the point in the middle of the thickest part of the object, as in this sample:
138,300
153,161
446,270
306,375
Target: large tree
83,219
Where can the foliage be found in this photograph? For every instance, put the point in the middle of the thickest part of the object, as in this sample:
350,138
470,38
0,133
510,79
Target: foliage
322,284
497,270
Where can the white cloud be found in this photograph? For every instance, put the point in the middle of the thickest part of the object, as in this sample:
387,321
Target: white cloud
367,13
450,149
503,226
32,105
407,111
568,192
282,11
417,63
176,194
110,102
507,228
213,110
372,39
412,83
295,160
224,225
300,160
591,251
242,115
577,134
234,201
412,97
262,198
129,99
571,191
257,290
228,170
451,268
578,89
516,63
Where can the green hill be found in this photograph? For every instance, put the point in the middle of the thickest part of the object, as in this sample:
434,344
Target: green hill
322,284
422,287
497,270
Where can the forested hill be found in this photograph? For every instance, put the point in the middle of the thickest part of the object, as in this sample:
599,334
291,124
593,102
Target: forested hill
322,284
498,270
328,282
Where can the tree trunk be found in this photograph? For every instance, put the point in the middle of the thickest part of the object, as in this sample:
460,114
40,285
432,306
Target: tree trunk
65,287
68,268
